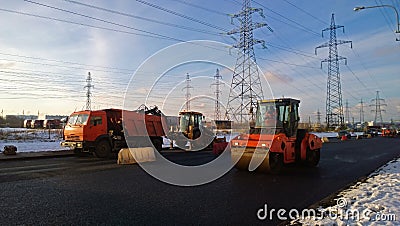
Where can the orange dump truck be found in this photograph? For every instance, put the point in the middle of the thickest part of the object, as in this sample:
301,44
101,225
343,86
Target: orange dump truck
101,132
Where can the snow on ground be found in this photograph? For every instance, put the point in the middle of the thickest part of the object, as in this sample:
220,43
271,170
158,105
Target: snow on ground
334,134
372,202
31,140
34,146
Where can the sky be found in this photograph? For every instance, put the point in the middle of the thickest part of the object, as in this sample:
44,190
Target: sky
137,52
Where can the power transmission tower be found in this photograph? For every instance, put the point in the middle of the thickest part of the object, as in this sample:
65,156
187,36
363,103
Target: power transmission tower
361,111
218,78
188,95
319,117
88,91
347,112
334,104
246,84
377,105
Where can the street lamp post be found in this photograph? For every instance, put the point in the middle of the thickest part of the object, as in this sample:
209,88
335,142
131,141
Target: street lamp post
380,6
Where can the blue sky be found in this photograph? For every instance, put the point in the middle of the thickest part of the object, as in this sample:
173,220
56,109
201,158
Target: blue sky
44,62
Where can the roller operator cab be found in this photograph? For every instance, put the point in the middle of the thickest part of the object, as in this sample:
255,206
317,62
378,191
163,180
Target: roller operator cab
275,139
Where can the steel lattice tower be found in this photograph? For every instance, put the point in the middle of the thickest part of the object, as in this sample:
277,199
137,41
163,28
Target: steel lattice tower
246,86
319,117
188,95
378,110
347,111
362,111
88,92
334,103
217,84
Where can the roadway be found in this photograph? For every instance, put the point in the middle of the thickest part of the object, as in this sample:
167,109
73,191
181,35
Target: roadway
85,190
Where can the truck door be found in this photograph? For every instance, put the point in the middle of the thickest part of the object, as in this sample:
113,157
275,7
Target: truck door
97,126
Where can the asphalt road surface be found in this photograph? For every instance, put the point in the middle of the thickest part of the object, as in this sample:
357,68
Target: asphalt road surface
86,190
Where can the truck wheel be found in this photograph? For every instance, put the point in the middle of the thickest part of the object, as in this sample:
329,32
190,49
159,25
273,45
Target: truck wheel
78,152
275,163
103,149
313,157
157,143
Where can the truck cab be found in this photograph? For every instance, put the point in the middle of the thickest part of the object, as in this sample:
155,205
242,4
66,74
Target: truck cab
101,132
92,131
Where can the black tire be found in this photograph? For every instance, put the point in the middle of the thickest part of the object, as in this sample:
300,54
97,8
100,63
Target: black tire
181,144
157,143
79,152
103,149
313,157
196,133
275,163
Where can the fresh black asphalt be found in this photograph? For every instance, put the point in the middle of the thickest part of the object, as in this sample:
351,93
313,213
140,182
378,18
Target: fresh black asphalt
85,190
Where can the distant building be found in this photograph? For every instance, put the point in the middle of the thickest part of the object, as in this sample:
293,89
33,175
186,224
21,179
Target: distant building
55,116
23,117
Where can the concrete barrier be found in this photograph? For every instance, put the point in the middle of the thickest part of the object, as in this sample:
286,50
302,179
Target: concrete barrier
135,155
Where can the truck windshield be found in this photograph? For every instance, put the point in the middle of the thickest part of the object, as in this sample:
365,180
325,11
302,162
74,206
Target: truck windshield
78,119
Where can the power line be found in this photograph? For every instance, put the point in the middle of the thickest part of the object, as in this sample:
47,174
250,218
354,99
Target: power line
87,25
181,15
286,63
201,7
304,11
65,62
63,66
143,18
98,19
298,24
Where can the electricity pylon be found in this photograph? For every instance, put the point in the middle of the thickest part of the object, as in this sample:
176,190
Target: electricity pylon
217,84
334,103
88,91
378,110
246,86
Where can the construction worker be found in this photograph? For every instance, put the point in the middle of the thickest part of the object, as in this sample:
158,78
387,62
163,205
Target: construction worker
270,117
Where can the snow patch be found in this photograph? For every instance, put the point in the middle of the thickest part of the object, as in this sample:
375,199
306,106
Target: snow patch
372,202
